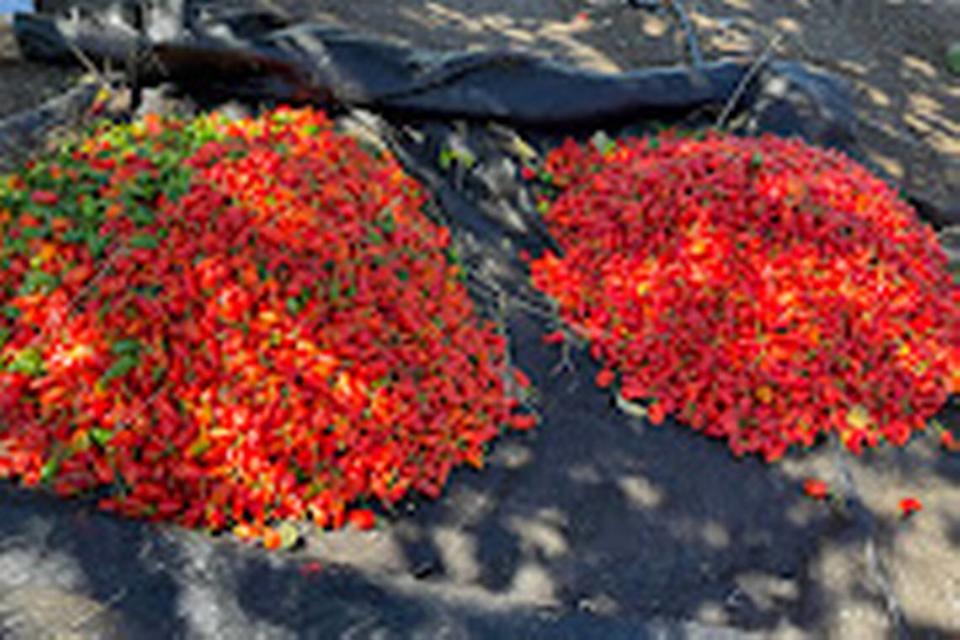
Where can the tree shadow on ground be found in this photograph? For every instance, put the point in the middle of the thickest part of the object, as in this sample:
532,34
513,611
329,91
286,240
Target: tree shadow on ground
600,512
65,551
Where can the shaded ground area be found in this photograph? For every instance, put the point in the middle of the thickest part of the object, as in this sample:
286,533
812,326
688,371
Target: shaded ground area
596,525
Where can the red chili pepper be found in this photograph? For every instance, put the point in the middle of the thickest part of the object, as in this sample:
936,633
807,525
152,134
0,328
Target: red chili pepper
656,413
523,422
310,568
909,506
363,519
948,441
43,197
605,378
521,379
554,337
816,489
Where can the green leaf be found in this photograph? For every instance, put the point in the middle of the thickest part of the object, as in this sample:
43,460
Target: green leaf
953,59
294,306
73,234
466,158
602,142
90,208
177,186
28,361
10,313
35,281
446,159
101,436
126,347
387,221
16,246
120,367
756,160
96,244
144,241
141,216
32,233
50,468
282,117
150,292
199,447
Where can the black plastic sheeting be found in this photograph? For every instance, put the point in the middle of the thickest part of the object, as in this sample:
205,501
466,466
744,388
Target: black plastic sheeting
479,108
249,57
258,58
464,124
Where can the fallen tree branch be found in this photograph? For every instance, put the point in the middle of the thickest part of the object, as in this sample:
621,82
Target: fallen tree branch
693,42
745,81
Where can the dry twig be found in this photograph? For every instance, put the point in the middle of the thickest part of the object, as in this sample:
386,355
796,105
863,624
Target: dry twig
748,77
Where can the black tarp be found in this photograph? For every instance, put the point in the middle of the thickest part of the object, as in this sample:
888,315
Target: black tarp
595,525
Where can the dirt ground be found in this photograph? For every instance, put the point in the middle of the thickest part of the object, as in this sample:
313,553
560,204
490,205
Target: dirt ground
646,532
